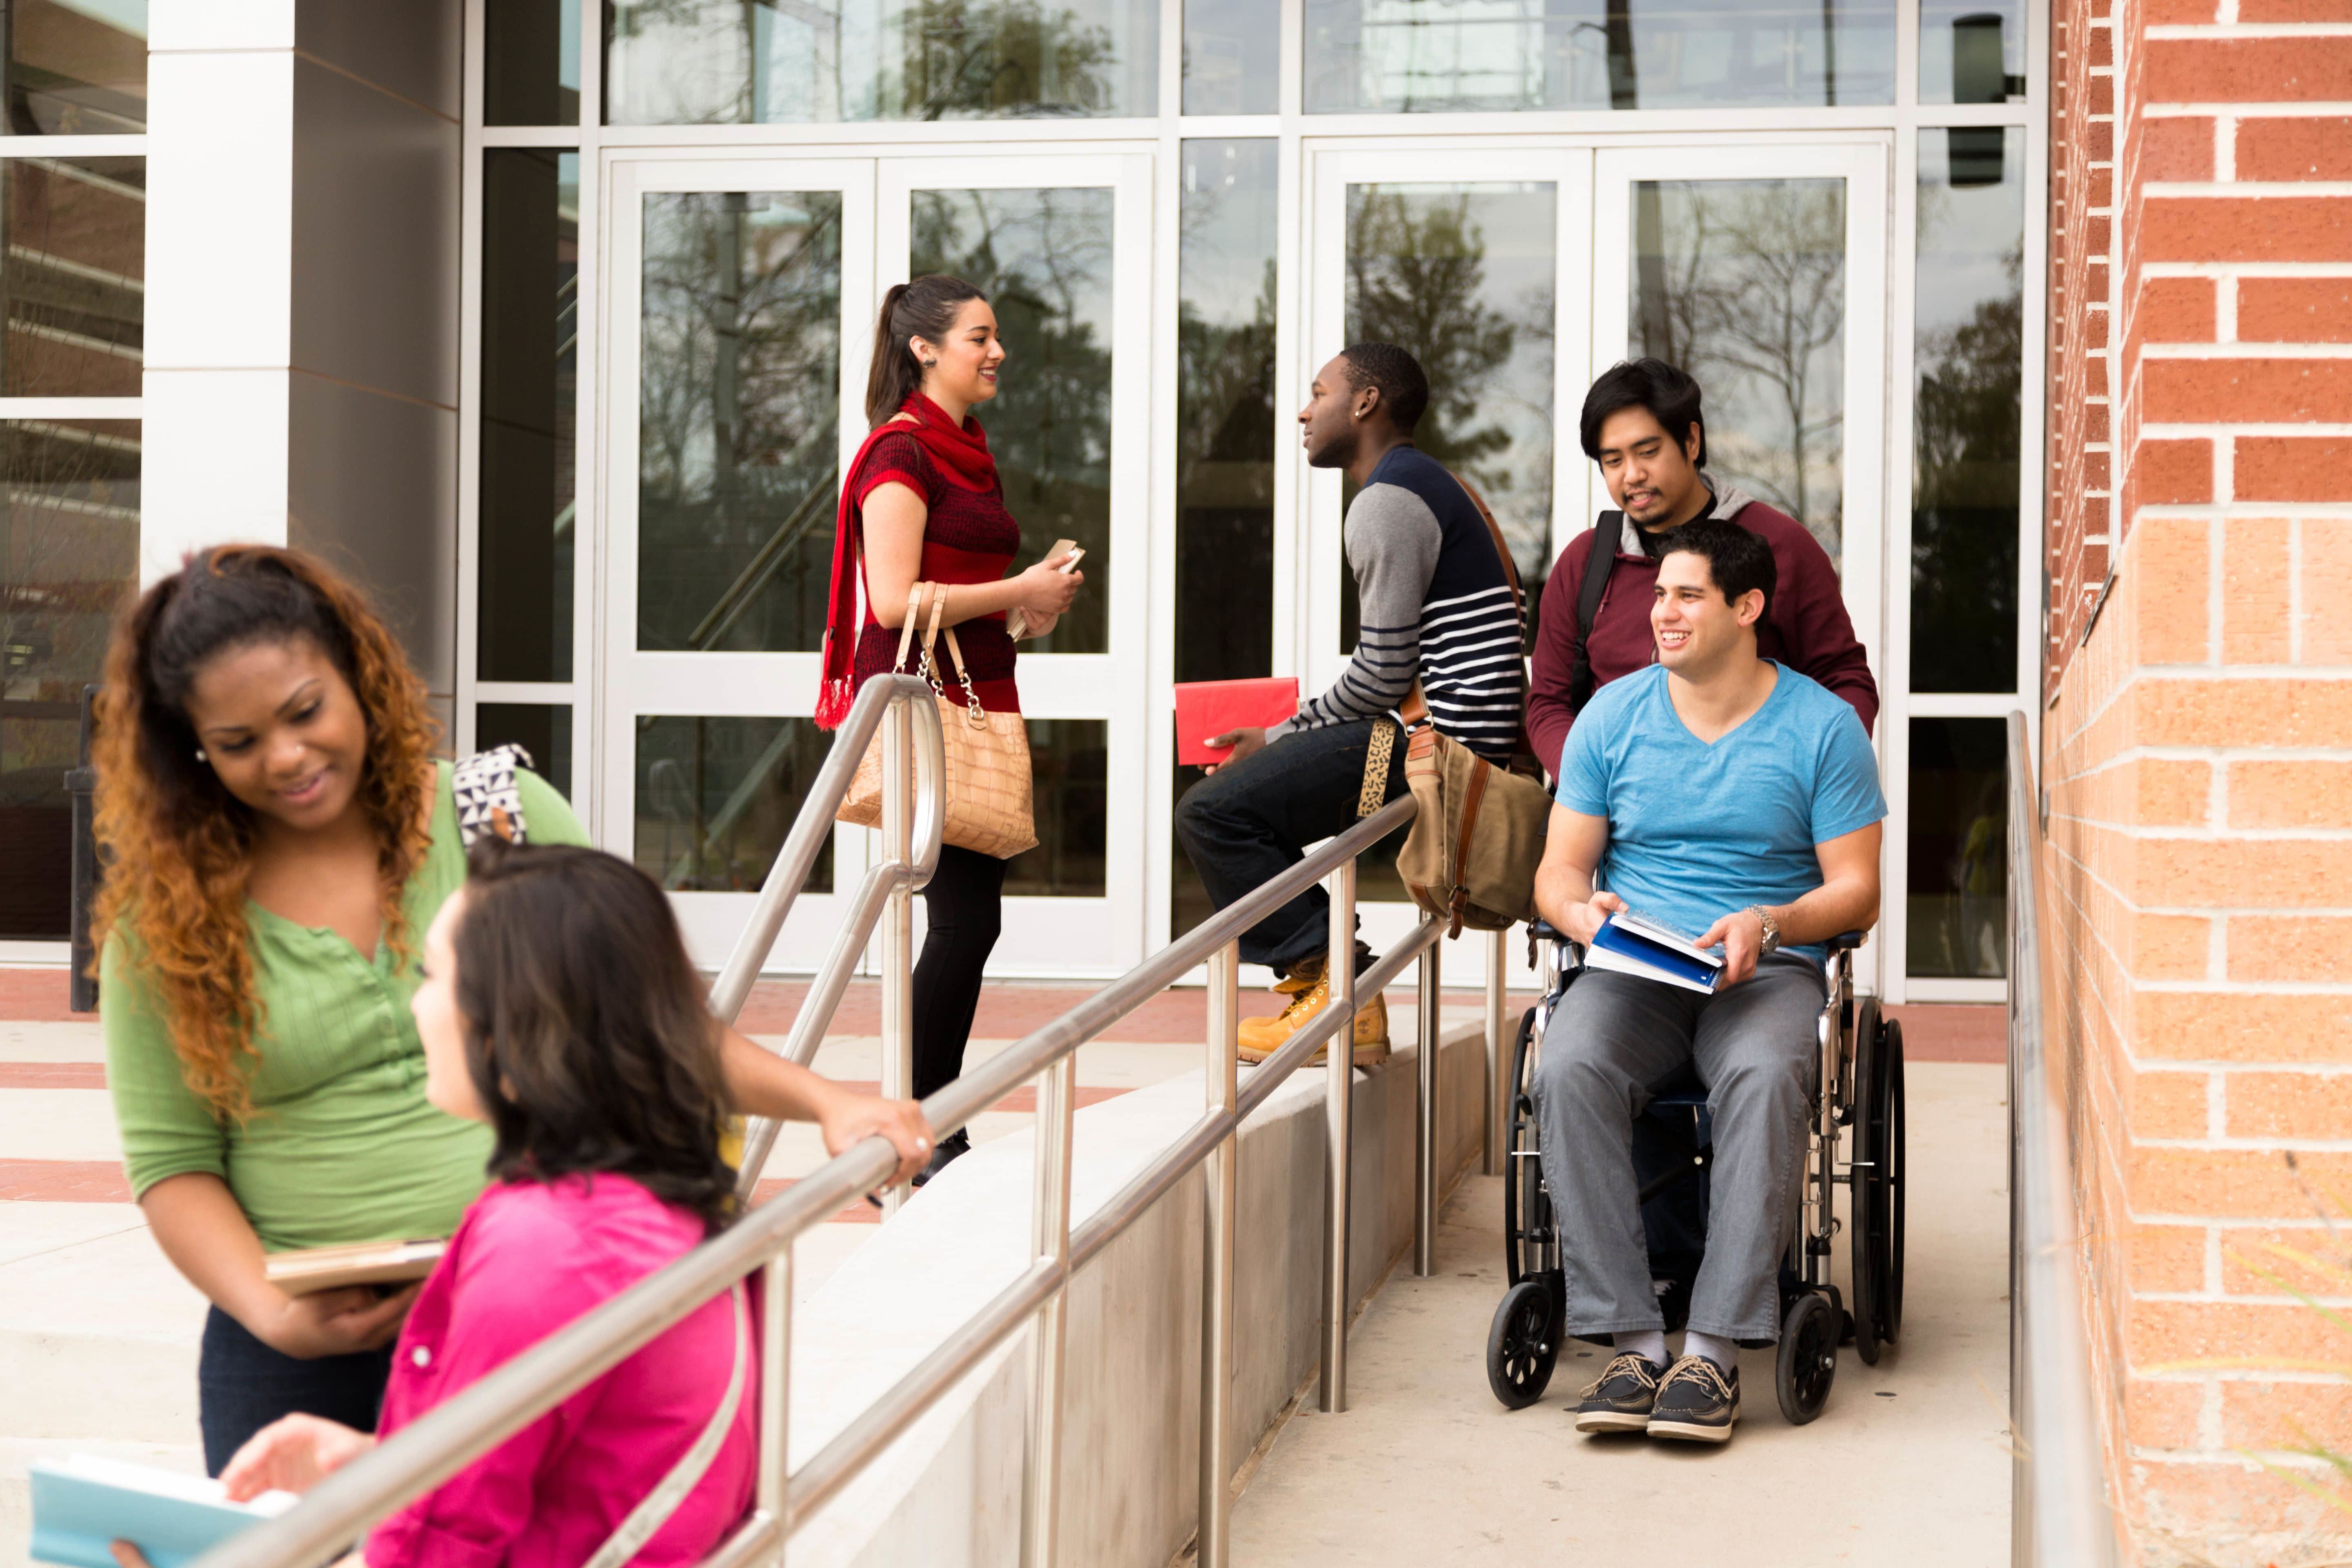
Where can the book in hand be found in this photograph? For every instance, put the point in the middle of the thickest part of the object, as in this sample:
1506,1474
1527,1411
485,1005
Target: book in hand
1206,708
83,1503
1633,944
308,1269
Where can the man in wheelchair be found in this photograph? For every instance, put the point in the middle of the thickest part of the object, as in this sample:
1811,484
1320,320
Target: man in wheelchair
1720,794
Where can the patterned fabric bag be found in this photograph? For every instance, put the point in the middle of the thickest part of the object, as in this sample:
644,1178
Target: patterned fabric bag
989,787
488,800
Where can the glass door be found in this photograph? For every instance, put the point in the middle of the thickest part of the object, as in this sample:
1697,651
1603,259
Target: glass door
1061,246
740,310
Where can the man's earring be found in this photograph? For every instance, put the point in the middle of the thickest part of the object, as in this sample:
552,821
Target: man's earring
200,754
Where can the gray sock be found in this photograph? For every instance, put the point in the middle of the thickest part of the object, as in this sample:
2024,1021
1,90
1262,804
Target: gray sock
1648,1343
1725,1354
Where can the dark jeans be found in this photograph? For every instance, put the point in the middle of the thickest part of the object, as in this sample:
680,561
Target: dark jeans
242,1385
1250,821
964,909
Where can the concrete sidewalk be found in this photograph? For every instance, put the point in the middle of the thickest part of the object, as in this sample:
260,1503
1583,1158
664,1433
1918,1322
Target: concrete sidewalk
1907,1464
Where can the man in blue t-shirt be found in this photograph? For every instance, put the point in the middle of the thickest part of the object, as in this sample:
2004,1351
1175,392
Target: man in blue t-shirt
1729,797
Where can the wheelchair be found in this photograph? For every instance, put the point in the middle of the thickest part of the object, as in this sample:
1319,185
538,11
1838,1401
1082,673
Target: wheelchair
1858,1092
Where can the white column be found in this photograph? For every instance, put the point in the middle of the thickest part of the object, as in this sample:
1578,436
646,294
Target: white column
220,171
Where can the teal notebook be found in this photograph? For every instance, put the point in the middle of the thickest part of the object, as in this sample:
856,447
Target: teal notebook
82,1503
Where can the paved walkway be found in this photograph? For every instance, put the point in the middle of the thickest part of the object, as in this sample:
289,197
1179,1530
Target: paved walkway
1907,1464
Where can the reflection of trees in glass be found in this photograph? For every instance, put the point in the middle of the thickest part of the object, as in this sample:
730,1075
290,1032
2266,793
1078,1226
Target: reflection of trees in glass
1423,274
715,796
738,413
69,553
1964,518
1742,283
1224,486
674,62
1042,258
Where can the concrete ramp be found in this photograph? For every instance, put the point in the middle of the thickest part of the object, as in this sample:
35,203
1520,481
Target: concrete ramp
1908,1463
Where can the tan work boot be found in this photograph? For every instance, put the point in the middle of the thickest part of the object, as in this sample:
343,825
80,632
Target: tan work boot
1309,987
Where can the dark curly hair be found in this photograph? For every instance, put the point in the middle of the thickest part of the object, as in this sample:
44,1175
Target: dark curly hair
1737,560
587,1036
1403,386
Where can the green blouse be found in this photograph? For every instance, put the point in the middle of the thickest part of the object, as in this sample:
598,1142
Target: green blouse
341,1145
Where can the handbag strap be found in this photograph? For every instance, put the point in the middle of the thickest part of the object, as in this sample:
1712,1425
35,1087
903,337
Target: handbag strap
975,714
672,1489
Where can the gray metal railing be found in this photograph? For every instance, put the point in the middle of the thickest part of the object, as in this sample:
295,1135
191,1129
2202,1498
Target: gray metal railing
451,1435
2060,1516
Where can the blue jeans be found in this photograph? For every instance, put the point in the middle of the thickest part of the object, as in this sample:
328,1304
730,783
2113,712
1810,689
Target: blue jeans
1611,1041
1250,821
242,1385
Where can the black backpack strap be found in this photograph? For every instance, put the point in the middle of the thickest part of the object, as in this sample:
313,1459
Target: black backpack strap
488,800
1607,535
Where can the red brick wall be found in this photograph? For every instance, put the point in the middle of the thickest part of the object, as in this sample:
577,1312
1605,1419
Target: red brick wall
2198,742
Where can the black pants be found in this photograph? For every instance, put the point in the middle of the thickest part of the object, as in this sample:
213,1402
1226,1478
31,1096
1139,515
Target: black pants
1250,821
964,909
242,1385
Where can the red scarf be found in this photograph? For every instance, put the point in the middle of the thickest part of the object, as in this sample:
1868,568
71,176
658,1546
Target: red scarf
961,454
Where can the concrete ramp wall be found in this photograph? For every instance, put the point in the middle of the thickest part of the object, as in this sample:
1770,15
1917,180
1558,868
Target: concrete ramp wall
948,1494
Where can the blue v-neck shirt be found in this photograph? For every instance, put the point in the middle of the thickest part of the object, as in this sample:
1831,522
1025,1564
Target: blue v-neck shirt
1698,830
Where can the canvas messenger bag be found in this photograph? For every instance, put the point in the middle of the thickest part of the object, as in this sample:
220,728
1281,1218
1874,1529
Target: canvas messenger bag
1471,855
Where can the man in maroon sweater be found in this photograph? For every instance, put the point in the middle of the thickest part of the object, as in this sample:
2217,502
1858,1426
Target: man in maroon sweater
1642,426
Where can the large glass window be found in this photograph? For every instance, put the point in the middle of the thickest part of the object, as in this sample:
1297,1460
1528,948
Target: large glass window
1043,257
1958,909
74,271
530,335
1069,760
530,62
541,729
1970,359
1422,55
1226,422
1232,51
1465,278
1742,283
738,420
75,68
733,62
68,554
717,796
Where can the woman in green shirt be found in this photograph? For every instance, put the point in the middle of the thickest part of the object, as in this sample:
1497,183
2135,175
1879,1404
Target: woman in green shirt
279,838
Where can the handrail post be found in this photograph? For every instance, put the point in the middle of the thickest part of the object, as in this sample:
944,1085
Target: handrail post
775,1393
1338,1108
1425,1132
1057,1096
1218,1211
897,1066
1498,994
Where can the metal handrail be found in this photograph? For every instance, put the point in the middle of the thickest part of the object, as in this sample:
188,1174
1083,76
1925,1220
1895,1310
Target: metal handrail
451,1435
2059,1511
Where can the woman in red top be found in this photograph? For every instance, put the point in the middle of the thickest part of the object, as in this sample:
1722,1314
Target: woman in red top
923,504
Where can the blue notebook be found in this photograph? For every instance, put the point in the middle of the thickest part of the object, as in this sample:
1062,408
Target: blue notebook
82,1503
1633,944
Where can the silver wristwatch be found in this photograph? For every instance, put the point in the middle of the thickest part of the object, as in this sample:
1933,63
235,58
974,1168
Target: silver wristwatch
1771,927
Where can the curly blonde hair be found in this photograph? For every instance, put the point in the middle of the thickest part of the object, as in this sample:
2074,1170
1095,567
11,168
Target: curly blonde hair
178,846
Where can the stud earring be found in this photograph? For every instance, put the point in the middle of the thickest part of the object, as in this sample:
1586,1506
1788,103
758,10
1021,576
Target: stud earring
930,364
200,754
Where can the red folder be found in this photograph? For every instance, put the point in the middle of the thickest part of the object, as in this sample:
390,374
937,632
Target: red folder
1206,708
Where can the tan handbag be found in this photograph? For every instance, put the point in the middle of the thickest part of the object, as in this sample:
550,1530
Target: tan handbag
989,787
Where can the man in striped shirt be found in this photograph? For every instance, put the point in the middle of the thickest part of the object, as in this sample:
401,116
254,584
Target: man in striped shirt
1436,606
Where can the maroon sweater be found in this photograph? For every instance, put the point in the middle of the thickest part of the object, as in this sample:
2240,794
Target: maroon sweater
1807,627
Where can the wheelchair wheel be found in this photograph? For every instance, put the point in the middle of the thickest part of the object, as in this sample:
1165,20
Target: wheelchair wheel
1523,1345
1877,1183
1807,1363
1527,1215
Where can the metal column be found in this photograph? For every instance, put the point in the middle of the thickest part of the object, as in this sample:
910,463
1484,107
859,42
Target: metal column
1338,1106
1424,1138
898,921
1057,1098
1224,1081
1499,1064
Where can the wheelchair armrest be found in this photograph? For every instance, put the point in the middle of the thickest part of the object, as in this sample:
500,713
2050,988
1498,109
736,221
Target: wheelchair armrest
1846,941
1546,931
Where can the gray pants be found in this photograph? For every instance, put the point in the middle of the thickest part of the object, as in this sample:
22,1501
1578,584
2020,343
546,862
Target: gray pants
1612,1042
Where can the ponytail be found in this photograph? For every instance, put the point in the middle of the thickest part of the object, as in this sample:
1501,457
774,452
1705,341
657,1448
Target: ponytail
925,307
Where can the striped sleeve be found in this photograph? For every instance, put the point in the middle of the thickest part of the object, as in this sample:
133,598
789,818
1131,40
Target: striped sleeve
1392,544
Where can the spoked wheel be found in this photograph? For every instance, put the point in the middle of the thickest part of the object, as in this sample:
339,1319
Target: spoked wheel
1523,1345
1527,1213
1808,1360
1877,1190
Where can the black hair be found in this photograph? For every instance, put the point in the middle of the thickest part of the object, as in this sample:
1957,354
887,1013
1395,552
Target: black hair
1403,388
926,308
1737,560
587,1036
1669,394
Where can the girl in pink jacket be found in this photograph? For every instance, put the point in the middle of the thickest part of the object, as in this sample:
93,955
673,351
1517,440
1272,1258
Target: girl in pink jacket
559,1006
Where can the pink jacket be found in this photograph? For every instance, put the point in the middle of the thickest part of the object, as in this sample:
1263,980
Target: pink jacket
528,1258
